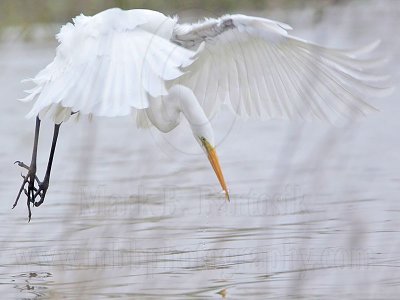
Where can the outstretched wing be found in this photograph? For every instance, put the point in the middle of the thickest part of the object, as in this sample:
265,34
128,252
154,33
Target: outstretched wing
107,65
261,71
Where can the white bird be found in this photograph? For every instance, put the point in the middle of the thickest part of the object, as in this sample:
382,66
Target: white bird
142,62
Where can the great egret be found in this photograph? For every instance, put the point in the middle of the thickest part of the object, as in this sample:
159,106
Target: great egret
139,61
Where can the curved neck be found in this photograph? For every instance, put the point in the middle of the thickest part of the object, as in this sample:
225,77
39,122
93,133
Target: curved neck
193,112
164,112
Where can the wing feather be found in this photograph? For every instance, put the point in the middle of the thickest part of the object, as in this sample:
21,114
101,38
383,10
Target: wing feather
109,65
261,71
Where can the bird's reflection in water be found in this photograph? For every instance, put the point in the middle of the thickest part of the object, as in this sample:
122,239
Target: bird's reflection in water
31,285
223,293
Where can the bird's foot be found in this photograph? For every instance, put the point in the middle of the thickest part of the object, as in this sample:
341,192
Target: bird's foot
41,192
30,190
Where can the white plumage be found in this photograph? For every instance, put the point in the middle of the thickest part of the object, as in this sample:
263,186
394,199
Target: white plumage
110,64
260,71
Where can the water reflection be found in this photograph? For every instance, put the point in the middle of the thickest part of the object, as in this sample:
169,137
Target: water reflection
31,285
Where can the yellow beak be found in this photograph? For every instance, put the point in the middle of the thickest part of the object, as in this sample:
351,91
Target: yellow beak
213,158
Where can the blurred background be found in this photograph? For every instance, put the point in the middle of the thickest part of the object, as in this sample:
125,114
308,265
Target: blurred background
25,13
50,11
129,214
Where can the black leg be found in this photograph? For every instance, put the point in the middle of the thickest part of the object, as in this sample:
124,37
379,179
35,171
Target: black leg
43,186
31,176
28,184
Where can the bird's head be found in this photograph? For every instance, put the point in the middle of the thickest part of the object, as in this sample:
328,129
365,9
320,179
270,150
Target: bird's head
201,128
207,144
